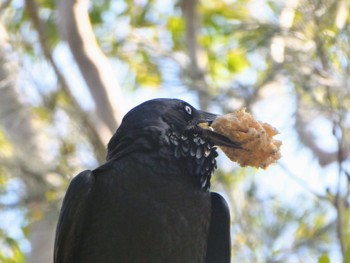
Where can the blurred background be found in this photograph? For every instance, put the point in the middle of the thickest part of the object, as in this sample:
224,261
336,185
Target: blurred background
70,69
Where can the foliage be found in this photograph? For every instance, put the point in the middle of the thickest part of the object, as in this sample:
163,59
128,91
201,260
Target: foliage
240,54
11,252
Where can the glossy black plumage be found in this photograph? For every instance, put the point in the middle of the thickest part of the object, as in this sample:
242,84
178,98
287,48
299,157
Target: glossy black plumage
149,202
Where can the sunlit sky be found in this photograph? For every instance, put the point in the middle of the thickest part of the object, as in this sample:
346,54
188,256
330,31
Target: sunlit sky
276,107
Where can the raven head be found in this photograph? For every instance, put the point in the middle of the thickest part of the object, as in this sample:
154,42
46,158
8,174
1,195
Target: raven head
175,125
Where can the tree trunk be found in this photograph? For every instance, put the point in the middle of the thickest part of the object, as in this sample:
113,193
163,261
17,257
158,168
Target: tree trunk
76,29
197,69
17,123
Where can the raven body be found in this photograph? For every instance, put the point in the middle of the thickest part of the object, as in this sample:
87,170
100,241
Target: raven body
149,203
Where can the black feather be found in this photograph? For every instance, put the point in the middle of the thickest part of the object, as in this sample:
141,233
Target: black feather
150,201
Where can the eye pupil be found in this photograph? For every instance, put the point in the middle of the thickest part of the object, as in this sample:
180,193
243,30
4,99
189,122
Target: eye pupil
188,110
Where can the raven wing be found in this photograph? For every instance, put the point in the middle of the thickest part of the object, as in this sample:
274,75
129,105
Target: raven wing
219,241
71,219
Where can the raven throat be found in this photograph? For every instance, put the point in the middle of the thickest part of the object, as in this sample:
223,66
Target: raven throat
197,154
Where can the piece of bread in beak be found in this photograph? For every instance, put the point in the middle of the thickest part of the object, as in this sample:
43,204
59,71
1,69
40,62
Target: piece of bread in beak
259,148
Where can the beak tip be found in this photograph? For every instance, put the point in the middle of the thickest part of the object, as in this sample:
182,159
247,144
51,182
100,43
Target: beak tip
205,122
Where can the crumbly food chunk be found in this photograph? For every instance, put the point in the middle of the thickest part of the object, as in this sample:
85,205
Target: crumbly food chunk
259,149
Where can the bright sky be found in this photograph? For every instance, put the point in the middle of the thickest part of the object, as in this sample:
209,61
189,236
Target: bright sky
276,108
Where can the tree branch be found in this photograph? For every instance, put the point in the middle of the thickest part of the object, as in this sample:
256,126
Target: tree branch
339,204
5,5
93,64
91,129
197,69
18,125
307,138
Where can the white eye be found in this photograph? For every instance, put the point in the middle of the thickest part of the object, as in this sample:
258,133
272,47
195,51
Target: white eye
188,109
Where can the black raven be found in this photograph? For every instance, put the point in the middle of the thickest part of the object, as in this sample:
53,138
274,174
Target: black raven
150,201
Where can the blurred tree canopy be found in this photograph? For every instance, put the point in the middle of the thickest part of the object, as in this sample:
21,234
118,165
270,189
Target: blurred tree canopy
68,67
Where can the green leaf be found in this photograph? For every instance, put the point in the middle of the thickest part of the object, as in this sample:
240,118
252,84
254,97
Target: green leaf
6,149
324,259
347,255
146,71
236,61
14,255
176,26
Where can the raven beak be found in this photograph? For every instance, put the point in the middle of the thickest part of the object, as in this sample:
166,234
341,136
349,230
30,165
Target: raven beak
207,132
